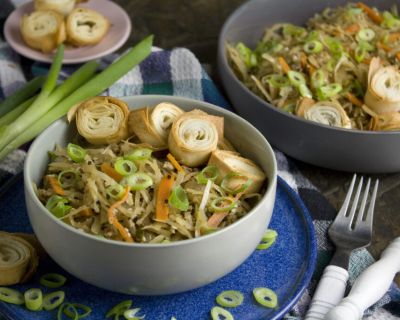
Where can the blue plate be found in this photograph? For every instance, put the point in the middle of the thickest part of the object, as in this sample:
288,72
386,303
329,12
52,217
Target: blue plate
286,268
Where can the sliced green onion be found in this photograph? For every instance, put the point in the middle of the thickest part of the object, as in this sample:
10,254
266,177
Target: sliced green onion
389,20
366,34
218,313
71,309
52,280
313,35
296,78
248,56
318,78
335,46
68,178
313,46
277,81
294,31
208,173
119,308
267,240
354,11
305,91
74,313
75,152
53,300
266,297
131,314
57,205
179,199
330,66
230,298
360,54
367,46
115,191
137,181
139,154
222,204
235,182
11,296
33,299
328,91
125,167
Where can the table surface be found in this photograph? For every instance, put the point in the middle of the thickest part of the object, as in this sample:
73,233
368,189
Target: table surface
195,25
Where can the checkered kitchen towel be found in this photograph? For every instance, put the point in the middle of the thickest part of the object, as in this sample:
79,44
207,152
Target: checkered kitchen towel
178,72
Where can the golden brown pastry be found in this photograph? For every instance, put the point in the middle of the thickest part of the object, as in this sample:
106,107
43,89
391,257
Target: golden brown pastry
192,138
227,161
43,30
102,120
63,7
18,259
86,26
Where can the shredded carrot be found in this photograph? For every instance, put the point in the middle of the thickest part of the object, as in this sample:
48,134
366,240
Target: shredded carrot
384,46
114,221
371,13
367,61
398,55
393,37
353,28
110,171
303,59
86,212
285,67
175,163
217,217
354,100
163,192
55,184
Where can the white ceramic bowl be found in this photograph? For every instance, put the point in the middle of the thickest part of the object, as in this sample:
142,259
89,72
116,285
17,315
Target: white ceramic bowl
152,269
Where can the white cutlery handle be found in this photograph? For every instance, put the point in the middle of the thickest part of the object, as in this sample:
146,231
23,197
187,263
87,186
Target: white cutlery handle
329,293
370,286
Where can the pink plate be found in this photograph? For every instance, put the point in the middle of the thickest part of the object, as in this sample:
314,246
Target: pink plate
114,39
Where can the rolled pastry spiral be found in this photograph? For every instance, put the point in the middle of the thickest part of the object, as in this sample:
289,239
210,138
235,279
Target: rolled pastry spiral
383,94
102,120
61,6
18,259
152,125
330,113
43,30
228,161
86,26
383,122
192,139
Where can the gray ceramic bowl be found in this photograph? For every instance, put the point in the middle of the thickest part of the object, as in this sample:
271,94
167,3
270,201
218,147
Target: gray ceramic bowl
152,268
321,145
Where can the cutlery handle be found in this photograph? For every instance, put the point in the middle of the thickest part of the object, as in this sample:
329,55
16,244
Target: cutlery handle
329,292
370,286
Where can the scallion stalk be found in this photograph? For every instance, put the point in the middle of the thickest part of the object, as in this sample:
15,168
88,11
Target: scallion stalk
16,112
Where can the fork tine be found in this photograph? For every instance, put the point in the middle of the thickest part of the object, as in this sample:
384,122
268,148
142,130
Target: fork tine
370,214
355,202
361,211
345,205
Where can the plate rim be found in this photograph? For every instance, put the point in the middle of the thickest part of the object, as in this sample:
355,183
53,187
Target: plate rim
46,58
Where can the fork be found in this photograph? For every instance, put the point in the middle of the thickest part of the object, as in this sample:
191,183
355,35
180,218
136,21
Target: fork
349,231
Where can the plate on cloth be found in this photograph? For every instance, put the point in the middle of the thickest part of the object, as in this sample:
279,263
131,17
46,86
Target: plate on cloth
114,39
286,267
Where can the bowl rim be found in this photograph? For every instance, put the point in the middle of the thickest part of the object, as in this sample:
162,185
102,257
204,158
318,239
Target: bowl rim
223,63
272,180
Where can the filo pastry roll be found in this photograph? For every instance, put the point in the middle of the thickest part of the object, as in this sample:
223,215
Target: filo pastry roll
193,137
383,122
228,161
152,125
43,30
18,259
101,120
383,93
61,6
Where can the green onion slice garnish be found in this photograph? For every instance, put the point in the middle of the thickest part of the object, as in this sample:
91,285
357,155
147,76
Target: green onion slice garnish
222,204
318,78
52,280
179,199
57,205
360,54
313,46
328,91
139,154
218,313
292,30
230,298
208,173
137,181
11,296
73,309
266,297
235,182
305,91
33,299
68,178
125,167
390,21
276,81
75,152
267,240
335,46
250,59
53,300
131,314
115,191
119,308
366,34
296,78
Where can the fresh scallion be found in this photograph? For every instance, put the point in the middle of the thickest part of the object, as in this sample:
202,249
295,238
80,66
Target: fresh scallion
71,309
328,91
218,313
313,46
230,298
366,34
68,178
115,191
222,204
53,300
76,153
267,240
179,199
318,78
11,296
125,167
249,58
294,31
266,297
137,181
131,314
52,280
305,91
335,46
33,299
139,154
235,182
276,81
57,205
296,78
360,54
119,308
10,116
390,21
208,173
